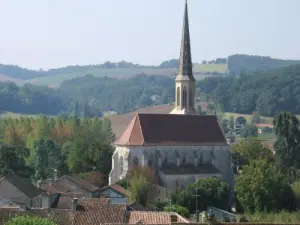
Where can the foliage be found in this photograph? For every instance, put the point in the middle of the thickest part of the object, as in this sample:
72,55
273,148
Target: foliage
231,124
256,117
225,126
287,146
46,144
12,160
268,93
278,217
210,192
249,130
27,220
250,63
183,211
250,149
139,188
124,183
262,187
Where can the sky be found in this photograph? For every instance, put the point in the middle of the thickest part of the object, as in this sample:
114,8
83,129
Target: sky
55,33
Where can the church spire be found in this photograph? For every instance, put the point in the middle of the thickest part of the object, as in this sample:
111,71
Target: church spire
185,81
185,61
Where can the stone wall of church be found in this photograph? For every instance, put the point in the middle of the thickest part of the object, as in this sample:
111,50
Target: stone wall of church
156,156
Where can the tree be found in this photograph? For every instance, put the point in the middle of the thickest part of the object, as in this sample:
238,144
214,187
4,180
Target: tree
249,130
210,192
224,125
12,160
261,186
139,188
183,211
287,145
250,149
231,124
27,220
256,117
47,159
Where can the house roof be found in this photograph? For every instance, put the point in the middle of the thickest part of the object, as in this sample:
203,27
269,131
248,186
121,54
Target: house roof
54,188
65,201
189,169
83,183
23,185
95,214
137,207
118,189
171,129
87,214
154,217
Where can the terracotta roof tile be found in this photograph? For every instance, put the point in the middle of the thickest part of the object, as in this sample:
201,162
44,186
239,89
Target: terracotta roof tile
95,214
120,122
118,189
154,217
25,186
85,184
167,129
137,207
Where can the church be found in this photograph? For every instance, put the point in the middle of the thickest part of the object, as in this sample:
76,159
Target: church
182,147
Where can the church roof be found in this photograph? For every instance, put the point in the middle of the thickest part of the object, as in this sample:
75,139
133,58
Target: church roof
172,130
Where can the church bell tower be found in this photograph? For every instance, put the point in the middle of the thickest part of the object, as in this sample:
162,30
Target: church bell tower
185,81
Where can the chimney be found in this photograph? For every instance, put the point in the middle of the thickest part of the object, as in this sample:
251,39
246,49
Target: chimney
174,218
74,205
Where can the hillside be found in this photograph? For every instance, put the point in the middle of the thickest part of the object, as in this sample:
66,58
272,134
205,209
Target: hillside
240,63
121,70
266,92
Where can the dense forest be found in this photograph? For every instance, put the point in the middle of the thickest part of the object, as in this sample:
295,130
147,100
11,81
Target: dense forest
266,92
37,147
239,63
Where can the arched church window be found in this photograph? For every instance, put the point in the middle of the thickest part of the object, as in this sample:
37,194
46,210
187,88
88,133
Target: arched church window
183,160
121,164
178,96
165,160
191,97
184,97
149,163
135,161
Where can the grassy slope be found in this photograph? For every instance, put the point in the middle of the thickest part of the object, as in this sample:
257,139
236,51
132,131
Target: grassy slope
124,73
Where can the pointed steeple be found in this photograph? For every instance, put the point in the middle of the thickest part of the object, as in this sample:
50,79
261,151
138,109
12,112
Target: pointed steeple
185,81
185,71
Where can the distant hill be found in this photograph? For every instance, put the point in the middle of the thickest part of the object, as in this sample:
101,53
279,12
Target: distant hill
54,77
239,63
268,92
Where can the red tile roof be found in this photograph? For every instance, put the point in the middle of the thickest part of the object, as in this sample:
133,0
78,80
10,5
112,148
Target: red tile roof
120,122
95,214
87,214
154,217
170,129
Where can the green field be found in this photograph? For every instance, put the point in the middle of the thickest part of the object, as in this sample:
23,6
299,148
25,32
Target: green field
122,73
203,68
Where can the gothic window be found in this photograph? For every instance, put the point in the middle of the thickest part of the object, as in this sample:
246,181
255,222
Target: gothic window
184,97
121,164
191,97
149,163
183,160
165,160
178,96
135,161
